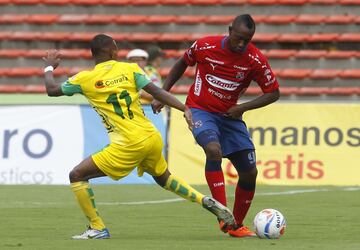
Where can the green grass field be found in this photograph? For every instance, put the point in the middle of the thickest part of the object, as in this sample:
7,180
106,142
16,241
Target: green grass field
44,217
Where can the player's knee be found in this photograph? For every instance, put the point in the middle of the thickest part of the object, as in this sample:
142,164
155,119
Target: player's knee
209,141
162,179
213,151
75,176
252,174
247,180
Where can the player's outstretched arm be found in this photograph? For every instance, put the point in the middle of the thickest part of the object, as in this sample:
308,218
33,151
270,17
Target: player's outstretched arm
52,60
174,75
164,96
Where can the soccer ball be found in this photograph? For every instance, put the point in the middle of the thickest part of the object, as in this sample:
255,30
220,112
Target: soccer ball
269,224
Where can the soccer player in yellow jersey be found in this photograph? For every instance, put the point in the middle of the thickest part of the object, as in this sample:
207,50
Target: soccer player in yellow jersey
112,90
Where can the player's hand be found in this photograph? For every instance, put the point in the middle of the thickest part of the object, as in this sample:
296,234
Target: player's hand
156,106
188,118
235,112
52,58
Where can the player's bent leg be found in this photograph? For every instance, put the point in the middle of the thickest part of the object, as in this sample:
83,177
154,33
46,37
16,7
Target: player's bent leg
209,141
213,171
245,164
181,188
79,177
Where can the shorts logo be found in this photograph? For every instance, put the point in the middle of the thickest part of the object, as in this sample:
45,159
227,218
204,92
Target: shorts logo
221,83
198,124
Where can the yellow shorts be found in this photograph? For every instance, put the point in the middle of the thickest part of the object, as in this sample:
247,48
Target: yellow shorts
118,161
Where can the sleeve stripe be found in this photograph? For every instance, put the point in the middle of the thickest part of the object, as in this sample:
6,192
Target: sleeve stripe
70,89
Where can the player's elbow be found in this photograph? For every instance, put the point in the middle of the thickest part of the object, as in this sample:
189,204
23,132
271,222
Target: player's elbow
276,95
52,92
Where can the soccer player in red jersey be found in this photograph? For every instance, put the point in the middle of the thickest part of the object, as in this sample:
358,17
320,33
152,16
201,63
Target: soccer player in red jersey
225,67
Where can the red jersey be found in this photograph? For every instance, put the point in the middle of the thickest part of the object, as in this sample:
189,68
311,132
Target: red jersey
222,75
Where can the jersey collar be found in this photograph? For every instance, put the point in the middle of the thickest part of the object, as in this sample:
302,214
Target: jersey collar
224,41
99,65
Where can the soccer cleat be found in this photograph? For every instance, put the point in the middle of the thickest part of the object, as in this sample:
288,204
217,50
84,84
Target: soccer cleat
224,228
91,233
223,214
241,232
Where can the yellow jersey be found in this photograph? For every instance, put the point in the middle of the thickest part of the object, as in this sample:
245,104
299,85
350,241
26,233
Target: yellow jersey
112,89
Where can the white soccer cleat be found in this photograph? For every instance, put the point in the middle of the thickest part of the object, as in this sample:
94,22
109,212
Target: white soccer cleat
91,233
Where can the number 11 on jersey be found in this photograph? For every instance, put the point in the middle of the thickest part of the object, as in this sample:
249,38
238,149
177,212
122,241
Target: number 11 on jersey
113,99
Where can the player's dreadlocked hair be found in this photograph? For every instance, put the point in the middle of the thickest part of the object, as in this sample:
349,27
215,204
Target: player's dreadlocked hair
244,19
99,42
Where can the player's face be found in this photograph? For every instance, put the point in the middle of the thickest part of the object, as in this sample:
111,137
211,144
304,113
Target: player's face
239,37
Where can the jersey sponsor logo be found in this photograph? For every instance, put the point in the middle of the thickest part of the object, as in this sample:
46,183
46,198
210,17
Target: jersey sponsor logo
213,66
218,94
268,75
256,58
240,67
218,184
214,61
270,82
198,83
99,84
111,82
221,83
207,47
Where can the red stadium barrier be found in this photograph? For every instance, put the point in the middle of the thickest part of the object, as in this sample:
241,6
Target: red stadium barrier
179,2
277,53
183,89
324,74
49,19
294,73
190,72
311,54
272,54
310,19
278,19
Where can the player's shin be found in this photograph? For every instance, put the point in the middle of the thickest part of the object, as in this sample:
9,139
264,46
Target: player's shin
215,179
85,198
244,195
181,188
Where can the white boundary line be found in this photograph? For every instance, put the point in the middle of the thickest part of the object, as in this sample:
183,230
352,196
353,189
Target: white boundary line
291,192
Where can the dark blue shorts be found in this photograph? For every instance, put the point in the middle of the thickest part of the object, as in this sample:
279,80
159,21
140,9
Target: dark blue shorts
233,134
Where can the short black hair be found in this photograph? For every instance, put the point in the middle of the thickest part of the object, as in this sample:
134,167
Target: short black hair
100,42
244,19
